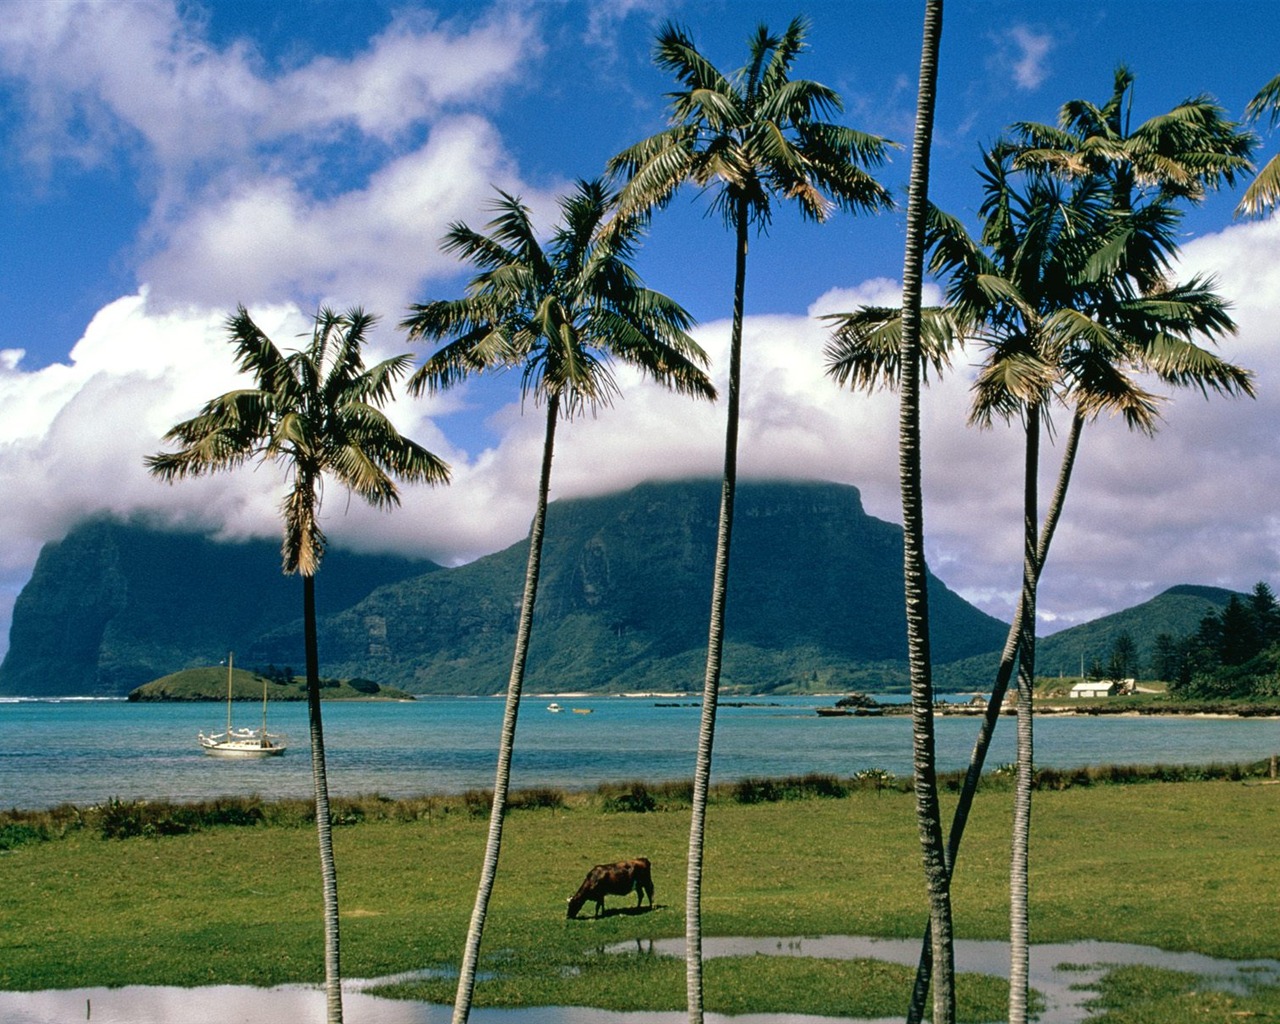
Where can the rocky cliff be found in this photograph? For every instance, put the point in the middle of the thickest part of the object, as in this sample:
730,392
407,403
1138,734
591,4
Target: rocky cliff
116,605
815,601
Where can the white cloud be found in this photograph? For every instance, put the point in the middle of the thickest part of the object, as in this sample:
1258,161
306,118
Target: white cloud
1030,52
1195,504
94,70
268,240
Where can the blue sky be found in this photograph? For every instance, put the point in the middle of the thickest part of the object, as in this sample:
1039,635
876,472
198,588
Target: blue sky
163,162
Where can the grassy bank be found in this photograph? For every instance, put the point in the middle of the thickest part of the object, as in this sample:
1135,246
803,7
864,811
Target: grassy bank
1179,865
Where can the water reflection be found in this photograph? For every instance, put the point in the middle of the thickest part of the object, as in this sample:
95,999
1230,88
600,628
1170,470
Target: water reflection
1058,971
1064,973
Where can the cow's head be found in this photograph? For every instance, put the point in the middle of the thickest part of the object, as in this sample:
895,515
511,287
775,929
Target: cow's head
575,904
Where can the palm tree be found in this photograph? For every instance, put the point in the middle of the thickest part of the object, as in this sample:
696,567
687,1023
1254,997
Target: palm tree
754,136
1171,157
915,572
1175,156
562,314
915,579
1064,290
317,411
1264,192
1111,323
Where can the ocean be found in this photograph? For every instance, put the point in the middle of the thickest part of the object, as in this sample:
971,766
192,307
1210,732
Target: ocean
87,751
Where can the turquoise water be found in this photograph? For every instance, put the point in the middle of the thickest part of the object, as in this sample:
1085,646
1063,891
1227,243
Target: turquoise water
86,751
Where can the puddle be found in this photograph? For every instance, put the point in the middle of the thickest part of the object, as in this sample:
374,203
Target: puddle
1056,971
1063,973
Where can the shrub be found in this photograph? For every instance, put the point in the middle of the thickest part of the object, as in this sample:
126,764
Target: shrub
121,819
636,800
540,797
14,834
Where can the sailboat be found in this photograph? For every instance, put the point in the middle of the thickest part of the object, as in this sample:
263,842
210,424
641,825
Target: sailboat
243,743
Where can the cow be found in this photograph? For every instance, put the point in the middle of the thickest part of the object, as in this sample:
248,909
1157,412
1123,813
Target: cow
619,879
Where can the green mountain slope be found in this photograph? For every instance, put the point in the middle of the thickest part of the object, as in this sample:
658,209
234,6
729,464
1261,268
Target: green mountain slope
1176,611
209,683
815,600
115,605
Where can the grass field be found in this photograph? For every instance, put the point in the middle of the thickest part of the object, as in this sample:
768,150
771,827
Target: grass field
1186,865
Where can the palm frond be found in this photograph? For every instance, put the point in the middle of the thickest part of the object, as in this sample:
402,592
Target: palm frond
1101,386
654,169
1263,193
675,52
1266,102
864,350
785,49
1184,364
1010,382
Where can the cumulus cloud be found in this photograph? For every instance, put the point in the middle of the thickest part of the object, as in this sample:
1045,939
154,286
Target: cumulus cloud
93,71
1191,505
270,240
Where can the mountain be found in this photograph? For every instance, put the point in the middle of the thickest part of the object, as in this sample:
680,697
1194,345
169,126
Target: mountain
114,605
815,600
1177,611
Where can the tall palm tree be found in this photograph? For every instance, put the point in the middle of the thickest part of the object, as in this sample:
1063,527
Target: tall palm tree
1111,323
754,137
318,412
915,572
561,314
1263,193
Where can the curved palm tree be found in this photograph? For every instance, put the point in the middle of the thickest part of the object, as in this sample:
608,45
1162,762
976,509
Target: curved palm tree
754,137
561,314
1263,193
1112,324
318,412
1059,291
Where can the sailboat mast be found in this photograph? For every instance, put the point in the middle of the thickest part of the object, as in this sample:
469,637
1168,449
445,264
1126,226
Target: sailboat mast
230,661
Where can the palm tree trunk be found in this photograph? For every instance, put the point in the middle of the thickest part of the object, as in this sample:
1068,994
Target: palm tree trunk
1019,948
324,825
915,578
715,638
977,759
502,781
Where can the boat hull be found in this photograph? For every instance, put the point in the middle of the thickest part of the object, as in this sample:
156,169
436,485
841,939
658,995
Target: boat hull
243,747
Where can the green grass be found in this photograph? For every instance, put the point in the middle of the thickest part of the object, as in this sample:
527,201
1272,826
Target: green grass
1181,865
1150,995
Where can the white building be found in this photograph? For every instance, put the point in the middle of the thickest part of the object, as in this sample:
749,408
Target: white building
1097,688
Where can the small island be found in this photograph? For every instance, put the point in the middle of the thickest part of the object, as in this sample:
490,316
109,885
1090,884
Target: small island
210,684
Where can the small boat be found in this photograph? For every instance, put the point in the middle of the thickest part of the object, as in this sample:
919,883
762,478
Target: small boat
243,743
553,706
583,711
835,712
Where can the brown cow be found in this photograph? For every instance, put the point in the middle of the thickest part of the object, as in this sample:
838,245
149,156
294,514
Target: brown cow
618,879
